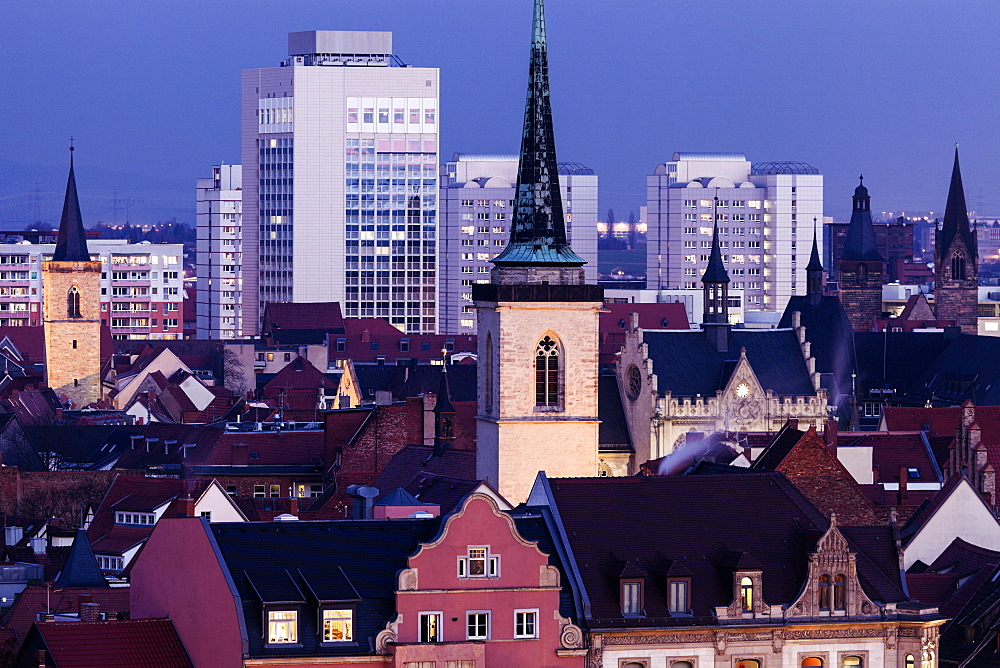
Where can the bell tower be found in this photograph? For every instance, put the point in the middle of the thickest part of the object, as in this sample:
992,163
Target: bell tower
861,266
956,261
71,310
538,323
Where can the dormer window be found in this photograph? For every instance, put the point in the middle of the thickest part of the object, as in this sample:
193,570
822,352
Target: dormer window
138,519
282,626
631,597
338,625
678,601
824,592
479,563
746,594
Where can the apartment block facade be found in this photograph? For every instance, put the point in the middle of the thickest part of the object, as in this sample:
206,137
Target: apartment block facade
340,160
765,214
141,297
220,253
477,202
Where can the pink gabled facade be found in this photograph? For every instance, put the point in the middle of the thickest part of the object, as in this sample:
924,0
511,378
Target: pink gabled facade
480,565
180,576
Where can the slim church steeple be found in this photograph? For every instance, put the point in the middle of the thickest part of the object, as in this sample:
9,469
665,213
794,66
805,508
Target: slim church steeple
538,229
814,271
956,260
71,244
861,266
715,280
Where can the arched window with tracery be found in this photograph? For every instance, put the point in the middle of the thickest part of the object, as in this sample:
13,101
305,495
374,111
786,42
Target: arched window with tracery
73,303
824,592
547,373
839,592
488,373
958,268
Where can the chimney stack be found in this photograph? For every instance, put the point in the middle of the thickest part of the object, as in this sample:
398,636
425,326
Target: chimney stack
904,478
37,545
363,501
830,428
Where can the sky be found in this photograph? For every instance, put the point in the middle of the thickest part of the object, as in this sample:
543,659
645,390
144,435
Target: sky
150,91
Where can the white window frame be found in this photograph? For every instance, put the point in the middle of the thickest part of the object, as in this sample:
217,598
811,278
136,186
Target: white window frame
468,616
293,626
534,622
349,621
440,624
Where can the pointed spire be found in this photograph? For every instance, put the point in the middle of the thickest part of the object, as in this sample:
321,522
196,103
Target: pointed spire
538,229
860,243
715,272
814,270
956,215
81,569
71,244
814,262
443,403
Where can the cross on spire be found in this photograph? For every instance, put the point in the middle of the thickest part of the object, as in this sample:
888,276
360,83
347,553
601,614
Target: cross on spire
71,244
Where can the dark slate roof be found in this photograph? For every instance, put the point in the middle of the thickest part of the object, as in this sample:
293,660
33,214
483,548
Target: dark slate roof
534,524
829,332
613,432
968,368
80,446
71,244
956,215
705,536
778,449
686,364
442,491
860,242
538,229
410,467
896,359
411,381
303,561
715,272
80,569
399,497
814,262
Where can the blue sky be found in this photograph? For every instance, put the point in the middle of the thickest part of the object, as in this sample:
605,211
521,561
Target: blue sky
151,90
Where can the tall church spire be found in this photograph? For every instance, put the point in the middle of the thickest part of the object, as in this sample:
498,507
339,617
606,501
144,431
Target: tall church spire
538,229
715,280
956,216
814,270
71,244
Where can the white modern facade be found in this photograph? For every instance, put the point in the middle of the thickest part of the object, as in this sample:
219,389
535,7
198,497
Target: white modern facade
340,160
219,258
142,294
477,202
765,214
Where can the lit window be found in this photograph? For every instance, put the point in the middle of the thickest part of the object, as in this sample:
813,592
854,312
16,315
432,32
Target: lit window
839,598
851,662
812,661
282,626
678,596
746,594
430,627
337,625
525,623
477,625
824,592
479,563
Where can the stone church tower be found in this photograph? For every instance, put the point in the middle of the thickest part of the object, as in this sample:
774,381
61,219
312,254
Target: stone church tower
538,324
956,261
72,309
861,266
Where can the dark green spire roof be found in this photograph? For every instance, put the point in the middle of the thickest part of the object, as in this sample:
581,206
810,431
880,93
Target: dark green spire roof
860,243
71,244
538,229
715,272
814,262
956,215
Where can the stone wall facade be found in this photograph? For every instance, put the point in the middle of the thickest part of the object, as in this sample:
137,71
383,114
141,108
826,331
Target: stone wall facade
861,292
73,344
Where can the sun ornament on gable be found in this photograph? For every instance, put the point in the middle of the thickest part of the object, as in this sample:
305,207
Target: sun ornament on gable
832,588
744,396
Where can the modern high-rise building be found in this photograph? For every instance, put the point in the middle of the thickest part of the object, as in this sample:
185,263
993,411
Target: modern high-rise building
220,254
765,214
340,187
477,202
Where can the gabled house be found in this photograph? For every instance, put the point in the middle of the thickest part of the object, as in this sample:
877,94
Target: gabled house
132,506
110,644
740,571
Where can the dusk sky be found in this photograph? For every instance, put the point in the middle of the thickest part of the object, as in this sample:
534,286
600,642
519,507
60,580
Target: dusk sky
150,90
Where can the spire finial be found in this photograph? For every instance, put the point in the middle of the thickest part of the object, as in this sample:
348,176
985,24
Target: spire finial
862,179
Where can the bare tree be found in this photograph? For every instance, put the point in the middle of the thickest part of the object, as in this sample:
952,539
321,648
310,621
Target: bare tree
233,375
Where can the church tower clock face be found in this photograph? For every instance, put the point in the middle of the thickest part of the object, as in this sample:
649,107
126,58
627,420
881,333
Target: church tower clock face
743,390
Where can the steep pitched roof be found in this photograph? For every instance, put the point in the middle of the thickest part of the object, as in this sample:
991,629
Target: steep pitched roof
71,243
956,216
686,364
612,434
37,598
81,568
860,243
114,644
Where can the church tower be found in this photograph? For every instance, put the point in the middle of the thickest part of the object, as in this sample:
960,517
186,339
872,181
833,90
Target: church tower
715,292
814,272
538,324
956,261
861,266
72,308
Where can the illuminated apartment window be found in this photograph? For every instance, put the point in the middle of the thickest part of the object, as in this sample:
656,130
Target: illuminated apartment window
282,626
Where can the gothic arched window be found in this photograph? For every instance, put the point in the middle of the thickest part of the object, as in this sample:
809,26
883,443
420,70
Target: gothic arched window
862,274
73,303
958,268
839,597
488,373
547,372
824,592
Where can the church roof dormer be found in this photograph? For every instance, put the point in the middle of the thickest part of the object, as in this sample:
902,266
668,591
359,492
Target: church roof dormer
715,272
538,229
956,215
860,243
71,244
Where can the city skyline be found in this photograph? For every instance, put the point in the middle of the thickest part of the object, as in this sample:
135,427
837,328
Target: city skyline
840,85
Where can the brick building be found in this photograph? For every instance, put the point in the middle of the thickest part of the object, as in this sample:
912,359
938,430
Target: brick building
956,261
861,266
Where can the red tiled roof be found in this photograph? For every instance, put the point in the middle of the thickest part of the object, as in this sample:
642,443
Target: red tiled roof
318,315
362,333
131,493
35,599
152,643
120,539
651,316
273,448
298,374
893,450
944,422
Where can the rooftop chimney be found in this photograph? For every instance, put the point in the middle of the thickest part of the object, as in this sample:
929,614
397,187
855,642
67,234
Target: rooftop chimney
37,545
363,501
13,535
904,478
830,434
